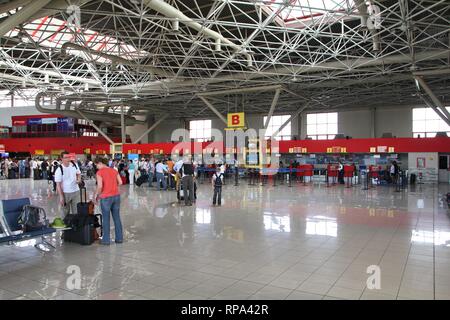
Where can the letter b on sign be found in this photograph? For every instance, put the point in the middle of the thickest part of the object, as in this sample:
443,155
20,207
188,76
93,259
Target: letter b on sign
236,120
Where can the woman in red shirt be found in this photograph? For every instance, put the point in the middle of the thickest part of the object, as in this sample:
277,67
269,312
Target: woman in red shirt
108,182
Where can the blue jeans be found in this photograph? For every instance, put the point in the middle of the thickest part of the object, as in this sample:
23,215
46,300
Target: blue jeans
111,206
160,177
150,179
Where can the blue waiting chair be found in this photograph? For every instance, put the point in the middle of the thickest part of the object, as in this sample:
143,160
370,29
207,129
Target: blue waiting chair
10,212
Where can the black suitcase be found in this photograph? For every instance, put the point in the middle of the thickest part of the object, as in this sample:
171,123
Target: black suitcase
83,228
142,179
37,174
84,208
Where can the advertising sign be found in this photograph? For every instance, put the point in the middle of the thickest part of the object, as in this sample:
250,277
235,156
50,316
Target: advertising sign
18,123
35,121
49,120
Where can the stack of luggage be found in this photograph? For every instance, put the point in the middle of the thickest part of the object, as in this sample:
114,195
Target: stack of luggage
84,224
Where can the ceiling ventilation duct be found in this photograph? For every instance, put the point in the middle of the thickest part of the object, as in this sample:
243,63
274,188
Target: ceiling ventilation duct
92,115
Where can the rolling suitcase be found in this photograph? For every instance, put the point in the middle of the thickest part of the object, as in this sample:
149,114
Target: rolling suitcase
85,208
142,179
83,228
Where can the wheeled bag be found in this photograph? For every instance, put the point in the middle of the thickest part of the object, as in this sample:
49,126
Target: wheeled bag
84,207
142,179
83,228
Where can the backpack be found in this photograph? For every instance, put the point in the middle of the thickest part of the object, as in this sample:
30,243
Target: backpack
32,218
187,169
218,182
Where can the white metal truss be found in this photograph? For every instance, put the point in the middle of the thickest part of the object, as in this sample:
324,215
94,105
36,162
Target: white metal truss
328,55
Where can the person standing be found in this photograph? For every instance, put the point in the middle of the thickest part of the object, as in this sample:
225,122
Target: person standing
217,182
33,167
160,170
394,172
187,176
67,178
6,166
341,173
54,167
44,167
107,193
131,170
170,165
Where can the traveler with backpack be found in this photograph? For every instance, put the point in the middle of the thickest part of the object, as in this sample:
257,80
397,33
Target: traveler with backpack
217,183
67,178
107,193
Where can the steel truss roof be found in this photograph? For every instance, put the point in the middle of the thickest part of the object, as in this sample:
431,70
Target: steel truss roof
327,60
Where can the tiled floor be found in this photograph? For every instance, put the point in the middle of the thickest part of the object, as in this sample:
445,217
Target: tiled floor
299,242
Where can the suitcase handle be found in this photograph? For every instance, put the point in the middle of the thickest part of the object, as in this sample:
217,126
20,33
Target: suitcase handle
83,190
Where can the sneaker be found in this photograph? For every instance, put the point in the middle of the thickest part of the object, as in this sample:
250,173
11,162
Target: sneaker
118,242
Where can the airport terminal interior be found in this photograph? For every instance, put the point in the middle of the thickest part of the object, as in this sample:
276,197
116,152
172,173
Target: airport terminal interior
225,150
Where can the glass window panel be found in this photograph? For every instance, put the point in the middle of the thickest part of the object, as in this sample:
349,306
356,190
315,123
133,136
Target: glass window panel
322,128
311,129
419,113
419,126
322,137
333,117
443,126
332,128
431,134
432,125
311,118
331,136
431,114
322,118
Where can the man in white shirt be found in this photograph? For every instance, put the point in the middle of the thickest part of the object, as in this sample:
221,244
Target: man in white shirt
33,166
160,169
67,178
